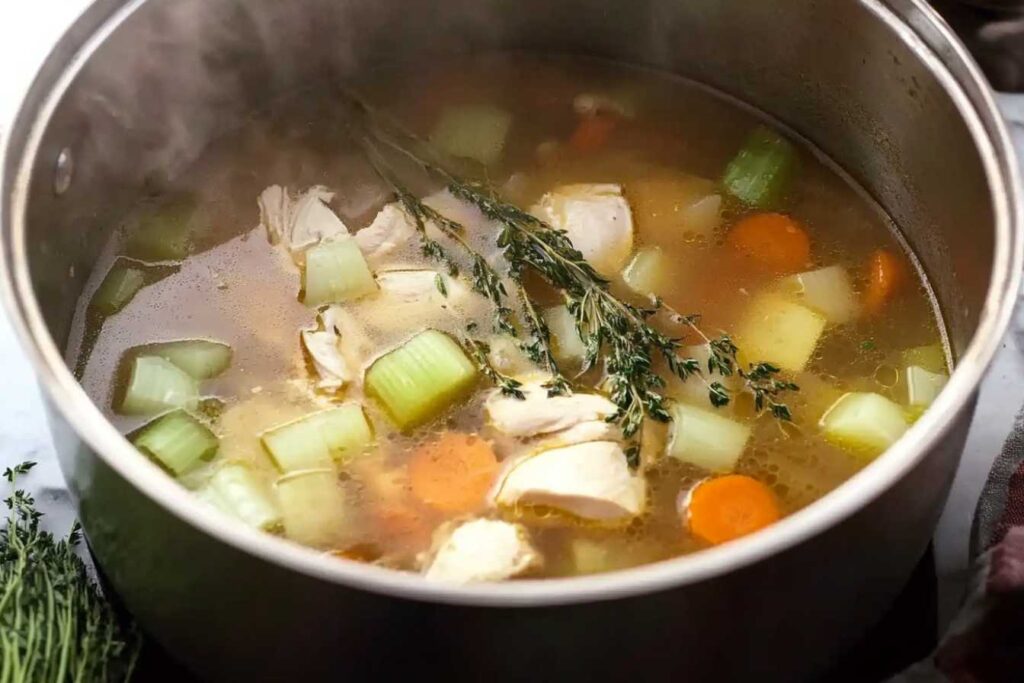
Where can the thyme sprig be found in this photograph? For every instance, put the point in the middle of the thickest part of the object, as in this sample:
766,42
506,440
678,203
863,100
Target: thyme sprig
612,330
479,351
761,380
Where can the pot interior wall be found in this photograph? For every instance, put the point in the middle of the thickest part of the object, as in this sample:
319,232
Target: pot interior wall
175,75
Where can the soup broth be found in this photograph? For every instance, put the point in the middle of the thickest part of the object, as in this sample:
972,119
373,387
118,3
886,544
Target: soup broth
697,213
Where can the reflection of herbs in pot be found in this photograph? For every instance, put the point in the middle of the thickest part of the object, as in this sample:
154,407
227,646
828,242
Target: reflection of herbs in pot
578,356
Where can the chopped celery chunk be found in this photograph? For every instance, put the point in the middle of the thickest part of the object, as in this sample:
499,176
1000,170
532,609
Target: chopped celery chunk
421,378
165,234
119,286
761,172
243,496
932,358
828,291
177,441
865,423
473,132
565,338
200,358
647,274
156,385
336,272
780,332
319,438
703,438
313,508
923,386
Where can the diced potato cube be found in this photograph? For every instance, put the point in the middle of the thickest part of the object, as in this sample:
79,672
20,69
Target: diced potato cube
703,438
826,290
923,387
779,332
648,272
566,343
865,423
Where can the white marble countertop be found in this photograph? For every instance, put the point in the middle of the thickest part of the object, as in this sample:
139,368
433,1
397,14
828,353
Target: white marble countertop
26,32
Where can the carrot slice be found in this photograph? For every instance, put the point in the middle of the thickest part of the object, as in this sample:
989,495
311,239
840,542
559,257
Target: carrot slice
886,275
403,525
725,508
453,473
592,133
773,240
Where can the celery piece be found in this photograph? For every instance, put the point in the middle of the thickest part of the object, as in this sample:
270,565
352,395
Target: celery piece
336,272
865,423
931,357
420,378
313,507
165,234
647,273
157,384
177,441
241,494
761,172
318,438
923,386
780,332
475,131
119,286
200,358
565,338
828,291
705,439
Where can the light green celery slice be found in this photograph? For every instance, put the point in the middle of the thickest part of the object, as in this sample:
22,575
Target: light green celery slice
931,357
119,286
336,272
703,438
421,378
319,438
647,273
313,508
165,234
177,441
156,385
245,497
200,358
566,343
865,423
923,386
476,131
761,172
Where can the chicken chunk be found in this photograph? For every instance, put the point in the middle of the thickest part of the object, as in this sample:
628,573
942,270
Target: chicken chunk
591,480
597,219
482,550
390,230
539,414
323,344
301,222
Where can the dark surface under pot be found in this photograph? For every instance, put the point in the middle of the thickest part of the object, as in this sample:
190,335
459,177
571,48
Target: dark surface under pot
905,635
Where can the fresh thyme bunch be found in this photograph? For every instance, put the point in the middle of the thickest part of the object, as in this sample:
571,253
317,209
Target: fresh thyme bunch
55,626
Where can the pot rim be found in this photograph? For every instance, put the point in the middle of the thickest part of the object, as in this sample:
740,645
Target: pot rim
913,21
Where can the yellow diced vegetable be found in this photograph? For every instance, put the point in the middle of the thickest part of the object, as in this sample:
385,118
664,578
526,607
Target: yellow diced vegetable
780,332
865,423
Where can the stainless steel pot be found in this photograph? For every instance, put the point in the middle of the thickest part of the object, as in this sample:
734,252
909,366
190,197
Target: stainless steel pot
136,89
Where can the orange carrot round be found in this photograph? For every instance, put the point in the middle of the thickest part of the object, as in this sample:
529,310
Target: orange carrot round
592,133
453,473
728,507
886,275
773,240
